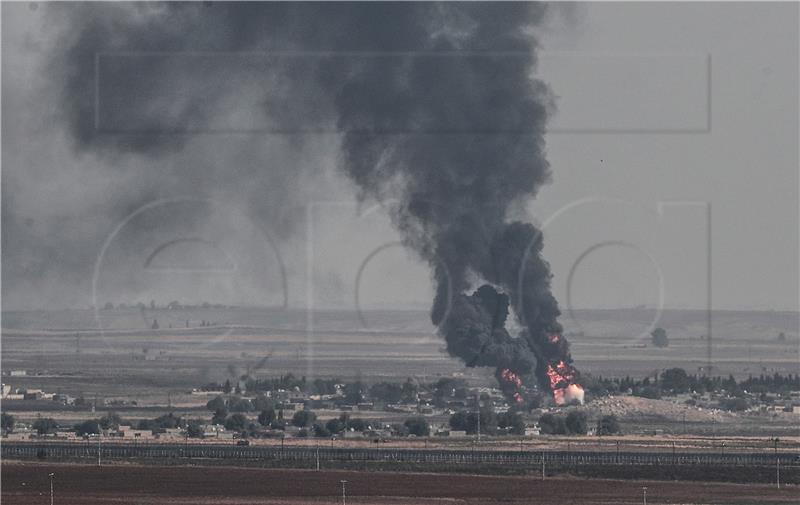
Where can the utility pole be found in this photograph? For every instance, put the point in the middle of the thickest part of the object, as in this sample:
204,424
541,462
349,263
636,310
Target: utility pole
344,492
775,441
317,456
542,465
98,449
644,495
51,488
478,401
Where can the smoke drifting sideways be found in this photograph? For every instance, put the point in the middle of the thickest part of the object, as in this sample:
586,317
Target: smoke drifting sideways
438,114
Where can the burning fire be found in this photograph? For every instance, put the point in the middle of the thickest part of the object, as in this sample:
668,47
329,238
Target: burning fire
554,338
509,376
562,377
513,379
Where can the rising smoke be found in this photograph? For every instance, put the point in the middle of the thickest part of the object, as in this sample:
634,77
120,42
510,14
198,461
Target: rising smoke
439,114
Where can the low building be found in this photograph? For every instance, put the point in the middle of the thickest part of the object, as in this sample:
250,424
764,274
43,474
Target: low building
33,394
129,433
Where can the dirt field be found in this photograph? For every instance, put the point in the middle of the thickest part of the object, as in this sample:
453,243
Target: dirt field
145,485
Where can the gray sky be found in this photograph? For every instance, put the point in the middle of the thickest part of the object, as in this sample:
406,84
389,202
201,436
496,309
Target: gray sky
637,161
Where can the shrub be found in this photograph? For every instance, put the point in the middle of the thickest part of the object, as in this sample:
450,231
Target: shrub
576,423
45,425
418,426
303,418
236,422
216,404
608,425
266,417
550,424
90,427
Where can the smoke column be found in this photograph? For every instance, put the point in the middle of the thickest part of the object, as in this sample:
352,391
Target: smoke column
439,116
477,121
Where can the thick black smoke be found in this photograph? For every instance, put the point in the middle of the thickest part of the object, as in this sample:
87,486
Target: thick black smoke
440,116
478,121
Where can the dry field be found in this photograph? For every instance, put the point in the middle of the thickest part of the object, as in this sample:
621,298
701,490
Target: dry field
127,361
145,485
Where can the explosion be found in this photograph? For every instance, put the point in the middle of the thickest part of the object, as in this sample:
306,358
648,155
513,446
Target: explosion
562,382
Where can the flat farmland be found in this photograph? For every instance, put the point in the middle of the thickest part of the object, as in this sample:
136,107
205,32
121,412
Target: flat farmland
132,484
82,353
116,357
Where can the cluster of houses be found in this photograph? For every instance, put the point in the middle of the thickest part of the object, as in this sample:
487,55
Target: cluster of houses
10,393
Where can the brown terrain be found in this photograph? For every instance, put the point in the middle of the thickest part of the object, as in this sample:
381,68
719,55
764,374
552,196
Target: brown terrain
144,485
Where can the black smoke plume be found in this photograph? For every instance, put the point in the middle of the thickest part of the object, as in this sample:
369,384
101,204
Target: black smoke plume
439,114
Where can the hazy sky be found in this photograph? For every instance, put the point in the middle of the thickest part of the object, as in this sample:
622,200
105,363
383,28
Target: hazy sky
667,112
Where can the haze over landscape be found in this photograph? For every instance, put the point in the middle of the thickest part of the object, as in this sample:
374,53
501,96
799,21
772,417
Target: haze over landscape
546,252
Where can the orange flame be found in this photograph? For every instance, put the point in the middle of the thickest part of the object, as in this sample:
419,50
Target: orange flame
554,338
509,376
562,377
512,378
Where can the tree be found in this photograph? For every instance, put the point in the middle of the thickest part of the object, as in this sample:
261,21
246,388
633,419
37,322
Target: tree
488,421
512,421
446,388
45,425
236,422
216,403
552,425
468,421
110,421
418,426
335,425
147,424
357,424
170,421
7,422
608,425
409,392
659,337
320,431
386,392
734,404
262,403
458,421
219,416
194,429
352,393
266,417
675,380
576,423
237,404
90,427
303,418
